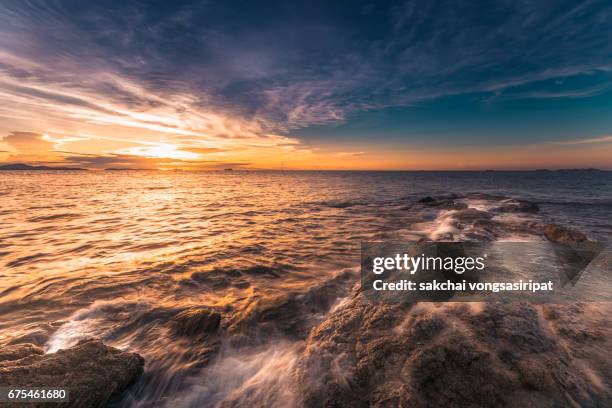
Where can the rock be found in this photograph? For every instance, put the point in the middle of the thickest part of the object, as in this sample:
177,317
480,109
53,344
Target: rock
471,215
514,328
451,355
443,202
262,270
559,234
90,370
570,322
292,313
519,206
17,352
194,322
451,205
454,370
485,196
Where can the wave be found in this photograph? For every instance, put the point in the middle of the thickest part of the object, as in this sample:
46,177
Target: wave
95,321
64,216
254,377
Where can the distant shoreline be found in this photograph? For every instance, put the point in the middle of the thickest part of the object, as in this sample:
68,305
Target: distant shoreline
27,167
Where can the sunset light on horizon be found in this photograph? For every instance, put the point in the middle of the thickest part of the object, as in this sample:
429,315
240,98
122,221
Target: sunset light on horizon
175,87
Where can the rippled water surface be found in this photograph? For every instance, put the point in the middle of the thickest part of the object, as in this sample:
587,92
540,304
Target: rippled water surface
115,254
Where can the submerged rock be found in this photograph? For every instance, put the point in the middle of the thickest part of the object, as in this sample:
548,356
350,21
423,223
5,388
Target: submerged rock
519,206
292,313
471,215
443,203
559,234
193,322
92,371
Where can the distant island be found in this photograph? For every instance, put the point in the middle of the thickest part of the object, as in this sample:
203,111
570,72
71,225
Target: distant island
584,169
21,166
125,169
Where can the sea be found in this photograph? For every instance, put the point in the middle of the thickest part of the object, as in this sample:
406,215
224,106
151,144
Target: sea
116,254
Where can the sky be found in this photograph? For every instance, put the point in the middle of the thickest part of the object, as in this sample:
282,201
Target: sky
385,85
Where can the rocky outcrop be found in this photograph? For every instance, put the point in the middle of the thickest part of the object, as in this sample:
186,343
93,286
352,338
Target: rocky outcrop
482,217
194,322
13,353
562,235
519,206
453,355
443,202
92,371
471,215
291,314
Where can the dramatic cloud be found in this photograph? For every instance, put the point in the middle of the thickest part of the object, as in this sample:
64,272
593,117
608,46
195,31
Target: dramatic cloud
33,143
202,78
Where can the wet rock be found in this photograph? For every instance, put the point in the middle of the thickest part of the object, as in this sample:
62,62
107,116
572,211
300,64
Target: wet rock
472,215
452,205
515,328
573,250
215,279
194,322
17,352
262,270
571,323
454,370
341,204
563,235
348,352
485,196
449,355
443,203
90,370
291,313
519,206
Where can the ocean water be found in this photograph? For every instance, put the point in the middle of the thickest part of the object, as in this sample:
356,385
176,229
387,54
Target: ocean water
115,255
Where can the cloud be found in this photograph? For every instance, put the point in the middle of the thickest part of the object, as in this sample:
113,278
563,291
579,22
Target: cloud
349,154
29,147
28,142
164,75
136,162
593,140
201,150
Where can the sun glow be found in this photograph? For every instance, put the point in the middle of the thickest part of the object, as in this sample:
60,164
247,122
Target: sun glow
160,151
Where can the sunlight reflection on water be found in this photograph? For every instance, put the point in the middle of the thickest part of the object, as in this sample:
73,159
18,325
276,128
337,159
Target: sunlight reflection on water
116,255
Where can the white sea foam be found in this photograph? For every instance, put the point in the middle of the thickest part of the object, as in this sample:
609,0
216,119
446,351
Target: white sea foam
93,321
444,227
259,377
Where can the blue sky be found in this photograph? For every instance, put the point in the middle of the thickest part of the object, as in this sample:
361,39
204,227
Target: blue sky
308,76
